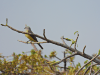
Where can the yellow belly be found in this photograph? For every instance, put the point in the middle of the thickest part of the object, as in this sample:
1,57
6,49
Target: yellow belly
30,38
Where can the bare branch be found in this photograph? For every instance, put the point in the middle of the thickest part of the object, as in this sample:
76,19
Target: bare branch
91,68
44,34
65,58
57,58
62,38
34,47
6,21
59,44
86,64
64,53
64,62
32,42
84,49
87,70
97,72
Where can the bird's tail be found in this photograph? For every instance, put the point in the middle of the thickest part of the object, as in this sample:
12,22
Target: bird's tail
40,46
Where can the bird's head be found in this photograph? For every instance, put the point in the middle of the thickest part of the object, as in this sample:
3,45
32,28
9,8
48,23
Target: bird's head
27,28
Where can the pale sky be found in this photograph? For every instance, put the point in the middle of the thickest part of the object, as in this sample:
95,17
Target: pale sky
57,17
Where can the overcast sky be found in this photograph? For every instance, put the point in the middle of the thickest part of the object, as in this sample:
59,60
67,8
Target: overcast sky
57,17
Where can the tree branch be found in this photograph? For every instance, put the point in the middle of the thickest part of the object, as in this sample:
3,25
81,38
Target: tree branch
59,44
32,42
64,62
44,35
86,64
65,58
84,49
97,72
62,38
57,57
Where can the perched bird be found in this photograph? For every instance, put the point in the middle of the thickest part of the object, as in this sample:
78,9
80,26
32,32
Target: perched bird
31,37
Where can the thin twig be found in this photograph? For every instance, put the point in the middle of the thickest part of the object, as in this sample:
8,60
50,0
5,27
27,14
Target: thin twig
34,47
64,62
84,49
32,42
86,64
89,68
44,34
6,21
97,72
73,64
65,58
62,38
57,58
76,41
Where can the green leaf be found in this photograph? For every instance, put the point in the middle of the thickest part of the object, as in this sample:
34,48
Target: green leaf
79,64
57,69
75,32
19,54
69,52
69,67
45,56
68,39
32,52
23,52
85,61
73,41
99,52
97,68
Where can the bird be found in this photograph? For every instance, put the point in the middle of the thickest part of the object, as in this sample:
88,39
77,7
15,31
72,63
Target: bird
31,37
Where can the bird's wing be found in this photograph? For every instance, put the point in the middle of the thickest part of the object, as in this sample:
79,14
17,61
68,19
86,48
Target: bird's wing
34,37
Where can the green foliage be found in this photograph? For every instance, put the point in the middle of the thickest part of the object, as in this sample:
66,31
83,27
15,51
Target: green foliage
73,42
78,65
22,63
68,39
75,32
33,52
85,61
19,54
52,54
45,56
99,52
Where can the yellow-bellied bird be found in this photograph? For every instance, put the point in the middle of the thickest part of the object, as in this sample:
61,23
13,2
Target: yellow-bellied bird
31,37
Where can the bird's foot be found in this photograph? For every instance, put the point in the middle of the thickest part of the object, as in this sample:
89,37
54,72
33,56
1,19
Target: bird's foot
27,42
31,42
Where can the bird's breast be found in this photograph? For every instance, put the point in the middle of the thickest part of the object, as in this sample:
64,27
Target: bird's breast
30,38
